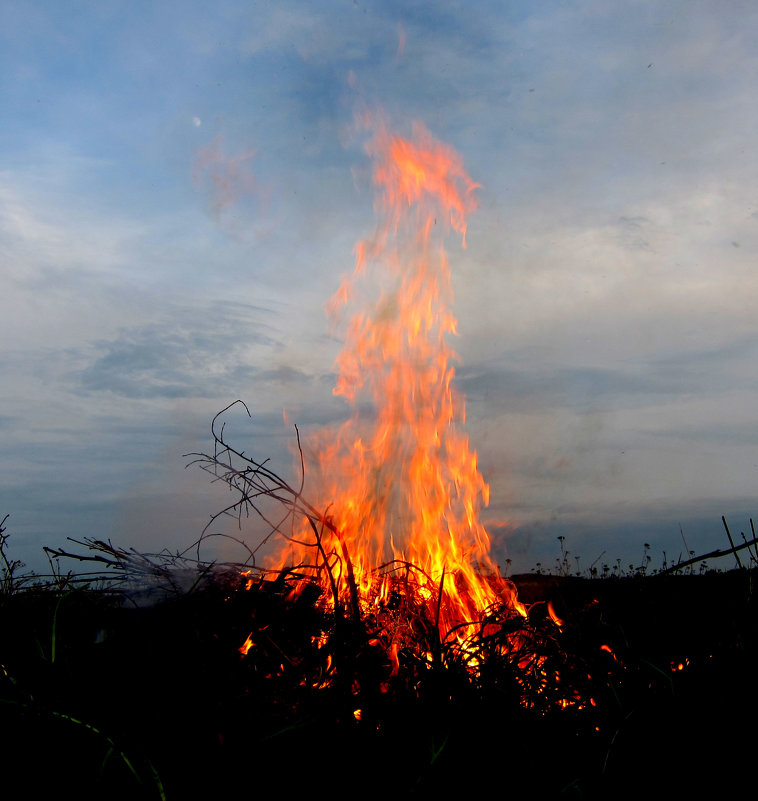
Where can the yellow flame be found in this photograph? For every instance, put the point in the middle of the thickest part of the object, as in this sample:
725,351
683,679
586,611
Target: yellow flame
401,481
247,645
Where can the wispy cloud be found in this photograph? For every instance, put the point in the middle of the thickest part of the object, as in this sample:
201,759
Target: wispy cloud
199,353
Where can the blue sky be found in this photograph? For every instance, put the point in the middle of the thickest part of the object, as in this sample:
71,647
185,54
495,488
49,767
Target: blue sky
181,188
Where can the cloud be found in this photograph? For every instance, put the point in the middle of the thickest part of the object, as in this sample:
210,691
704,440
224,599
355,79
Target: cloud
47,231
201,353
544,379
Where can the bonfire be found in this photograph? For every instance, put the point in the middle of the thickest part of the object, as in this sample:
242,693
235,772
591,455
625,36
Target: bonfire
384,523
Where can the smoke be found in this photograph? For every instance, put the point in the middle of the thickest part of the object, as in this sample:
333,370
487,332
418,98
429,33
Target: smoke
238,201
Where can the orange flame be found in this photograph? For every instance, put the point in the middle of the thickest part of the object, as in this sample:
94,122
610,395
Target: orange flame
399,479
247,645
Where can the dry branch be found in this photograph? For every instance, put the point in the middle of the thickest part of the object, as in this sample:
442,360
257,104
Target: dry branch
717,554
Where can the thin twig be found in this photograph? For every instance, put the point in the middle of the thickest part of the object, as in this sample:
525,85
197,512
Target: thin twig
731,542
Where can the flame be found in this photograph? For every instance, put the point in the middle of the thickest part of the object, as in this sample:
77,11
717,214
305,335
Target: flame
247,645
553,616
399,479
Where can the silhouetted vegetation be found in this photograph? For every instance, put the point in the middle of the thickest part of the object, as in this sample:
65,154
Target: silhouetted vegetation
118,692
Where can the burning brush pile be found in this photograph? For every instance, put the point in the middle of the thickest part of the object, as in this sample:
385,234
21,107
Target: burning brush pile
387,538
369,640
389,533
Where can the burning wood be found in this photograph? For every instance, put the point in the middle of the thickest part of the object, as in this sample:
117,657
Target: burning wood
392,538
384,561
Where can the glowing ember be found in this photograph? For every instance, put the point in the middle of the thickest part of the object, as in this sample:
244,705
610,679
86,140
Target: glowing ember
399,479
247,645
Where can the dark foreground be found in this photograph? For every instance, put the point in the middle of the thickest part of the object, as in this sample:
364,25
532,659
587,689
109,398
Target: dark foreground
106,700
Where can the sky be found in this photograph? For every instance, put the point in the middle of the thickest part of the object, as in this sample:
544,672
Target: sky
181,188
